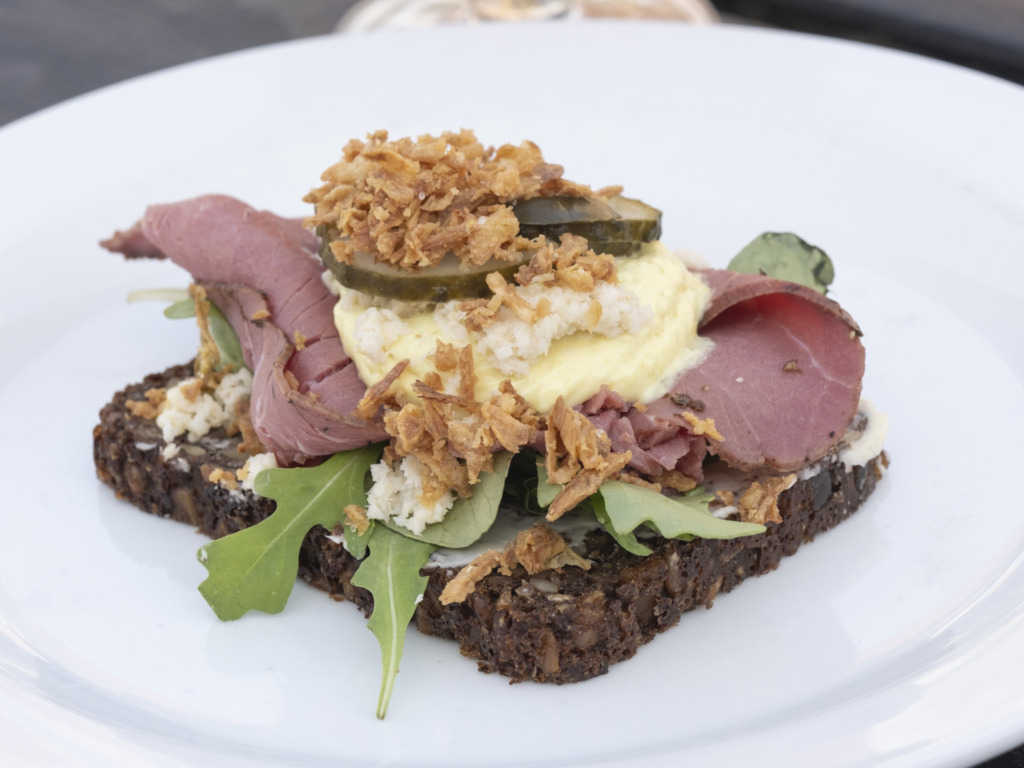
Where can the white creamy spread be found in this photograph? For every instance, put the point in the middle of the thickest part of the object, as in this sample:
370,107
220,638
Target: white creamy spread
252,467
861,447
396,496
179,415
649,318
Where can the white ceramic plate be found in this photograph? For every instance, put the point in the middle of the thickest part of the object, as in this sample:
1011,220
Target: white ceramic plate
893,640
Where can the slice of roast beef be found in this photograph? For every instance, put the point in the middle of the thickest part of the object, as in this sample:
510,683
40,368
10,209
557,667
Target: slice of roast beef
219,239
656,445
291,420
784,378
262,271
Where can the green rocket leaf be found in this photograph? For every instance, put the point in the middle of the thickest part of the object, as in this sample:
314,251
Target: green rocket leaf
469,518
220,329
546,491
785,256
180,310
622,508
391,572
685,517
626,538
255,568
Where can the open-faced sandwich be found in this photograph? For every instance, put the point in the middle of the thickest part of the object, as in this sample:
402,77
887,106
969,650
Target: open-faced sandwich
469,393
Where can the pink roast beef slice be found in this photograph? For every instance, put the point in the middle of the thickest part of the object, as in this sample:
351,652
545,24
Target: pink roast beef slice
658,442
220,240
784,378
296,424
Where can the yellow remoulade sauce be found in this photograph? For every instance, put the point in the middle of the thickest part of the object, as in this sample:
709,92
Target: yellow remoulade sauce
639,340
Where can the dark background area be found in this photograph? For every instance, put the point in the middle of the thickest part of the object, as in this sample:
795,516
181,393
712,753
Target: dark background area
51,50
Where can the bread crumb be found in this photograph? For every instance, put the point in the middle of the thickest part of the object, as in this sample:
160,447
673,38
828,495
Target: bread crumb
191,389
223,477
149,408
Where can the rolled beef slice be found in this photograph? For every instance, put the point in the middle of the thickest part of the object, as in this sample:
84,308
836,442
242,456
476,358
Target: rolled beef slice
262,271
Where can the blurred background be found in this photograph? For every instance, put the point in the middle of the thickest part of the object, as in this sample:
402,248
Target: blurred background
51,50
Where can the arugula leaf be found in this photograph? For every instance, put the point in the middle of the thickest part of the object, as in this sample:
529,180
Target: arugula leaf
521,483
391,572
626,539
220,329
546,491
622,507
684,517
785,256
355,542
469,518
256,567
180,310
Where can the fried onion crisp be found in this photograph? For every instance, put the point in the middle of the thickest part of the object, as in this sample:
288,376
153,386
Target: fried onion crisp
578,457
760,502
571,263
539,549
447,359
208,357
409,202
242,422
471,574
453,435
699,426
675,480
380,393
355,517
536,549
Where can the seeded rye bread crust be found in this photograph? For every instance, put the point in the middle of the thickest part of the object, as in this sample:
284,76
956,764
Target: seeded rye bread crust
555,627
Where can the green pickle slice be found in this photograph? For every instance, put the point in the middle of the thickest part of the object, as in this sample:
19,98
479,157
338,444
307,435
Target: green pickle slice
621,219
618,227
448,281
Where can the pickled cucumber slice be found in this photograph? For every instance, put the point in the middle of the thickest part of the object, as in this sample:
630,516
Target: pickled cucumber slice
621,219
620,248
618,227
448,281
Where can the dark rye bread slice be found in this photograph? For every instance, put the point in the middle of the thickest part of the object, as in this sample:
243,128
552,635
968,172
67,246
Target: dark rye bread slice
554,627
